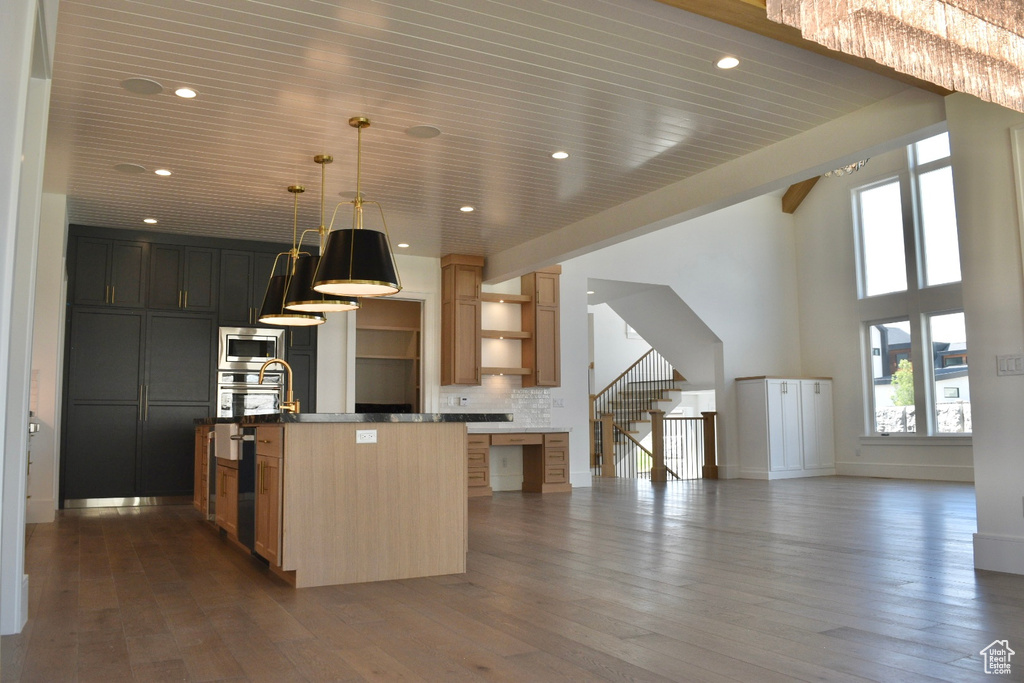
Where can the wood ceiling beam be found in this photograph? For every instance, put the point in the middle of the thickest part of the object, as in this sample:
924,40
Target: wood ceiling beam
751,15
796,194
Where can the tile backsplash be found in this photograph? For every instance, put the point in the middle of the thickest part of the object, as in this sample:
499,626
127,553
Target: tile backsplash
530,407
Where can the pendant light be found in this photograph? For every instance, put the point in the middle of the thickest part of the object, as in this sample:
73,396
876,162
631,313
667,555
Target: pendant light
357,261
273,311
301,296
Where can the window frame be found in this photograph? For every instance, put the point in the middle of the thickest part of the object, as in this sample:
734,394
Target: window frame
917,303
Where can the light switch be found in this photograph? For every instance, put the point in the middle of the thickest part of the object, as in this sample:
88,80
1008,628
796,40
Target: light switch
1009,365
366,436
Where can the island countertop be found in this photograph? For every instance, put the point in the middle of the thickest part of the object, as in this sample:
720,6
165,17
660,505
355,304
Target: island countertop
297,418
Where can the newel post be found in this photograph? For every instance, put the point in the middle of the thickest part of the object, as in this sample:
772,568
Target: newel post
607,445
710,468
658,471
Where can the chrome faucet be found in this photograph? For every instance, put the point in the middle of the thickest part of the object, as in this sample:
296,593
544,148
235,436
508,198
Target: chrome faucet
289,404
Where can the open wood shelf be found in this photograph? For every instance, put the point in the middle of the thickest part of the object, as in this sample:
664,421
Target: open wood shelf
387,328
498,298
382,356
505,371
505,334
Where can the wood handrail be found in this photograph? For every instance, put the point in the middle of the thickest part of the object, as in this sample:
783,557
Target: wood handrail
630,437
624,373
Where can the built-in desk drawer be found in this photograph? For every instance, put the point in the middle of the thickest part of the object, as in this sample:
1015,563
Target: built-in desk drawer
557,440
479,477
555,474
478,440
556,458
479,458
517,439
270,441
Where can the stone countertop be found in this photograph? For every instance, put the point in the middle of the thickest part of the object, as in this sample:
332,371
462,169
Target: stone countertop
313,418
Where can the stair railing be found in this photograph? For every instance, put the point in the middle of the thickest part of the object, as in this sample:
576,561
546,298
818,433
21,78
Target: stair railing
628,398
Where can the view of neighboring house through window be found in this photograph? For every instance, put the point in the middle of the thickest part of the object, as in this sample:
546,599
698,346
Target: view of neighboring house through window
892,377
949,373
914,213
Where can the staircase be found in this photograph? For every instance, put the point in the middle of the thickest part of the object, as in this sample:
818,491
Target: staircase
651,383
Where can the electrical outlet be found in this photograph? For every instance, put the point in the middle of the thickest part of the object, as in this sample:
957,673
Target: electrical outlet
366,436
463,400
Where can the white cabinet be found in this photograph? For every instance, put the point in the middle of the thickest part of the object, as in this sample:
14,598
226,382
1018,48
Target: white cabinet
785,427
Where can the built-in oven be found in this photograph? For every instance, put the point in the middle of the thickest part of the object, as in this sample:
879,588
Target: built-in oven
239,392
248,348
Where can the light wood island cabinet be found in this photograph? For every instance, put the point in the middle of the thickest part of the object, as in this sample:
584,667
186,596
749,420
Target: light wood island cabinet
227,497
269,455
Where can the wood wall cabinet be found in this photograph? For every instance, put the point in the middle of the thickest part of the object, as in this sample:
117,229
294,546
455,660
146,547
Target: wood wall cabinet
227,497
243,283
183,278
542,348
785,427
269,487
461,278
109,272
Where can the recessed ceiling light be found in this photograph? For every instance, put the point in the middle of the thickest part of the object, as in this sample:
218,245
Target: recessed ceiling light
727,63
560,155
142,86
129,168
466,209
422,132
151,221
162,171
403,245
185,93
590,291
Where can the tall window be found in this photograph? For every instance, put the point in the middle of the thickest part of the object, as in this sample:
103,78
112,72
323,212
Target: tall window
917,367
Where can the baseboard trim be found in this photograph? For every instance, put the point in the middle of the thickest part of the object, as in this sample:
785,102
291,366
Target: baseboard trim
40,510
996,553
962,473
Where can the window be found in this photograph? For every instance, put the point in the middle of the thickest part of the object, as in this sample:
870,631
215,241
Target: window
892,382
907,242
949,375
881,235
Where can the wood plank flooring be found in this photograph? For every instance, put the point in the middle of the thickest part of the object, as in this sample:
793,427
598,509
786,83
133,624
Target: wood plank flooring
827,579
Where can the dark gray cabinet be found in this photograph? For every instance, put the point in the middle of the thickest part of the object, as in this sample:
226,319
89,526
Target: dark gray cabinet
136,382
141,354
300,351
109,272
183,278
243,282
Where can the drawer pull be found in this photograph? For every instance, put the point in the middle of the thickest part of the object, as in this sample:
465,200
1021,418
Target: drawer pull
265,441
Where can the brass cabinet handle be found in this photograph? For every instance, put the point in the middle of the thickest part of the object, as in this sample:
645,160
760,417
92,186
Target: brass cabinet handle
145,403
186,298
223,483
113,290
140,403
265,441
179,298
106,294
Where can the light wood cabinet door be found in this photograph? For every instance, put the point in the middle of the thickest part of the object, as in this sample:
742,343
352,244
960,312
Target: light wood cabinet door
227,499
541,318
268,509
460,321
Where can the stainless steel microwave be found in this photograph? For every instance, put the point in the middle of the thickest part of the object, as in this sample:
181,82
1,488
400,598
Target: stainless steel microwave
248,348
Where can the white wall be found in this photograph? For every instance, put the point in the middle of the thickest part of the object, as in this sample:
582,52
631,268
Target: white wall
47,357
735,268
830,332
613,350
990,237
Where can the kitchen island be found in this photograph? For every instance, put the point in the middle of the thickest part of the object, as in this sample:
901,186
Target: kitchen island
345,498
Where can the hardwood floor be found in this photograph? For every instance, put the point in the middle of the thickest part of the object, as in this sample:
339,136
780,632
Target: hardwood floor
830,579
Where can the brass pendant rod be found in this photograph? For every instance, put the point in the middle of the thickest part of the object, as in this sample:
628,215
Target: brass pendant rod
323,182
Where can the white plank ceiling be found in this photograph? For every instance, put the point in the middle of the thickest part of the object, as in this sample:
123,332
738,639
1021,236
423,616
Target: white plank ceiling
627,87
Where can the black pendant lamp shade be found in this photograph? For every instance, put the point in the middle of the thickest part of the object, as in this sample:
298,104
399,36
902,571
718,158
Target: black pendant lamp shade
302,297
273,311
357,262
